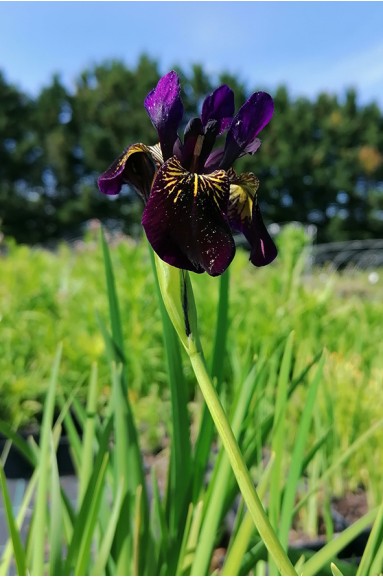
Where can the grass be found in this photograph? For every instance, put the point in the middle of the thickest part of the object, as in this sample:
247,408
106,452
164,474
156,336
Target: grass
298,374
59,297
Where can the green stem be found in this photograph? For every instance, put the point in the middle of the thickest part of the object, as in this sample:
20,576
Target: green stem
237,462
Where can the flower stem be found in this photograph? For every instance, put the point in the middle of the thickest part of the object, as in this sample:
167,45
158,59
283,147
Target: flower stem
238,464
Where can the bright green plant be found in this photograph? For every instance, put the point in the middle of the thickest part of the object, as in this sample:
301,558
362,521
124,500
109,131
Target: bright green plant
122,523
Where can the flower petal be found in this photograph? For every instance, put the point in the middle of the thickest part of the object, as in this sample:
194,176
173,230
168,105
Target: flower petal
213,160
193,130
219,106
263,249
136,167
251,118
165,109
185,220
242,192
245,215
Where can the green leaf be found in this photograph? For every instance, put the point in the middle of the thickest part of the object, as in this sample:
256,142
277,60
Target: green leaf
90,521
56,518
190,550
339,461
23,447
180,470
85,519
206,430
279,439
242,536
89,441
220,481
319,560
104,552
159,528
374,542
39,522
114,310
335,570
297,457
127,456
18,548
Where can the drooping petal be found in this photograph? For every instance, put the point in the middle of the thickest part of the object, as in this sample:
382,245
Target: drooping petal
165,109
136,167
243,189
219,106
251,118
185,219
245,215
263,249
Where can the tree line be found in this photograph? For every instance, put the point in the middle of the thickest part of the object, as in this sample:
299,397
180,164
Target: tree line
321,160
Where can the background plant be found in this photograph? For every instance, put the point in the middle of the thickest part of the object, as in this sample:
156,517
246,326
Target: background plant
55,297
116,527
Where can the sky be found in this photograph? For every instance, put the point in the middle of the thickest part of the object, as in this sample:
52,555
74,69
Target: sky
308,46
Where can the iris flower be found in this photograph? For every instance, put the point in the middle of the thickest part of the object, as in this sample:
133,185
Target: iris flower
194,199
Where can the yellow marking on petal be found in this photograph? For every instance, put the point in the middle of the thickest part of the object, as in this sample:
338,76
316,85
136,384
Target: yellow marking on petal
177,195
135,148
241,202
176,182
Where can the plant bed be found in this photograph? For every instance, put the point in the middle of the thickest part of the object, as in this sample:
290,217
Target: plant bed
17,466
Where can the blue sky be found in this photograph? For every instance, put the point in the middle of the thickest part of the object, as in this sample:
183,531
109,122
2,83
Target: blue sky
309,46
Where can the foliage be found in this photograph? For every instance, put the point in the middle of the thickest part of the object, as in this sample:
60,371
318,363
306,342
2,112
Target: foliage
321,161
59,297
114,528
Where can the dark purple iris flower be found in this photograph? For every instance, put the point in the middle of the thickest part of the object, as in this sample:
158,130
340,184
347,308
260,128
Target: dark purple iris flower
193,197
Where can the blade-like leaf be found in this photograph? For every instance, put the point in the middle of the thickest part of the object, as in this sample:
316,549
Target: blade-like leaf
55,518
90,521
295,470
206,430
39,523
114,309
179,482
279,440
220,481
18,548
241,539
332,549
89,435
100,563
374,542
80,522
23,446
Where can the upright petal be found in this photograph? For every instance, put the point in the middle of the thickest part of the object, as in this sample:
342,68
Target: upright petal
165,109
251,118
185,220
136,167
213,161
193,130
219,106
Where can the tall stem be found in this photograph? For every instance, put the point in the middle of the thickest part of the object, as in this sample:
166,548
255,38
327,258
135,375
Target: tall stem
240,470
